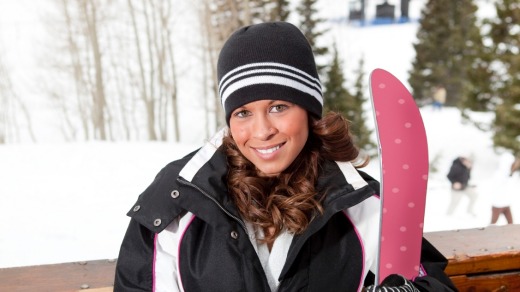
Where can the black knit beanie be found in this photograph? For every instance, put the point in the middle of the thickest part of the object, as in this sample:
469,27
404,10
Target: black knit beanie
268,61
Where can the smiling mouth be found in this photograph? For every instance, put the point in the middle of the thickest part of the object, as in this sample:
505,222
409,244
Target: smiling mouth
269,150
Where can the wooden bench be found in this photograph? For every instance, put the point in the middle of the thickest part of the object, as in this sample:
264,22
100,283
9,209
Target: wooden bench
480,260
483,259
92,276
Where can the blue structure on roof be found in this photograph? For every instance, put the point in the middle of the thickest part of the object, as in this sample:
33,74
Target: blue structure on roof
385,13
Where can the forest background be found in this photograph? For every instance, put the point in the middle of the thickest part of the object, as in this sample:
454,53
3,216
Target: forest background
136,70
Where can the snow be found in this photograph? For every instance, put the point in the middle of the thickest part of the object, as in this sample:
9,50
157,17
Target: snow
65,202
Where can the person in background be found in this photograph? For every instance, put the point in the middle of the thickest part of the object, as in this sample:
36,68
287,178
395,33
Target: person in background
459,176
276,201
501,200
439,97
515,166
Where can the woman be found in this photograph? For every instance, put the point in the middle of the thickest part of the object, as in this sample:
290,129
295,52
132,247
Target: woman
274,203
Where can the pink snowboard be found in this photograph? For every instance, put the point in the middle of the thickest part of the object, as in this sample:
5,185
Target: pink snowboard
403,153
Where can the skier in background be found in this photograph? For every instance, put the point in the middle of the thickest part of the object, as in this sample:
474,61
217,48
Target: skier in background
459,175
507,186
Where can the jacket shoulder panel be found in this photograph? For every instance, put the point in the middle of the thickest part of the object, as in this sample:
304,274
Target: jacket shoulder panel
156,207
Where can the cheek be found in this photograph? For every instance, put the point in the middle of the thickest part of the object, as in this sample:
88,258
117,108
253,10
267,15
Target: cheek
298,129
239,134
302,135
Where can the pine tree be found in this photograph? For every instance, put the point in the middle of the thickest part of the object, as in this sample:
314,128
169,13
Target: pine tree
506,43
448,50
268,10
358,119
337,98
281,11
237,13
309,23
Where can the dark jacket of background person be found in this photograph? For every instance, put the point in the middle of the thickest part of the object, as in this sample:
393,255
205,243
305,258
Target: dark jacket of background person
460,172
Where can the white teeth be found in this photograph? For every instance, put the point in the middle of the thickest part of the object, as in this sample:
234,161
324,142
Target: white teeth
270,150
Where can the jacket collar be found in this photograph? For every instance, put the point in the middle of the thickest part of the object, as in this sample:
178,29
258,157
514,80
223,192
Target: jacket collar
201,179
207,170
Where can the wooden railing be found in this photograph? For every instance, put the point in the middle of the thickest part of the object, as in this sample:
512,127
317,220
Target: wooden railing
480,260
483,259
89,276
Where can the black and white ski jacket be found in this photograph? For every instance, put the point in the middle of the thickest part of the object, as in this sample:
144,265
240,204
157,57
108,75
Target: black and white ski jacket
185,234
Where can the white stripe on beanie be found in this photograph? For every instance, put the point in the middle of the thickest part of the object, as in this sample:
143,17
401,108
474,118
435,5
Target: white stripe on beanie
258,72
269,64
269,73
270,80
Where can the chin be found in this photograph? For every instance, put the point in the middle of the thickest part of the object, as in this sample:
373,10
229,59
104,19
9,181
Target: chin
268,173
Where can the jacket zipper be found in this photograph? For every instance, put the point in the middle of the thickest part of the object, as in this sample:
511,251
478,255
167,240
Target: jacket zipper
240,221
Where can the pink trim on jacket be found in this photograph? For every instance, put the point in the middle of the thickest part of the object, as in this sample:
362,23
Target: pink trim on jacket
179,251
155,238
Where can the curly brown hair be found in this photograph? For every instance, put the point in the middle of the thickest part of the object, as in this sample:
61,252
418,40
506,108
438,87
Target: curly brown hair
290,199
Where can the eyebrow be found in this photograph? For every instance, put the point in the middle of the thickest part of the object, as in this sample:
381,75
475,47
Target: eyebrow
271,101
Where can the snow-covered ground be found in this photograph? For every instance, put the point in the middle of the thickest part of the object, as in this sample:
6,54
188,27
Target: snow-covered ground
65,202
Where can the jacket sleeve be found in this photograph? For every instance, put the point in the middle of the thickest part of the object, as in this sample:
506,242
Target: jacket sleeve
147,260
433,263
134,268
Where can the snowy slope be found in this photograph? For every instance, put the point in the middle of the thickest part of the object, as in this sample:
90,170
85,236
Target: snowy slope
67,202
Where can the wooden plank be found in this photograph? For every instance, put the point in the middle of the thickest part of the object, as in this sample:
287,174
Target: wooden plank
106,289
488,283
490,263
480,250
65,277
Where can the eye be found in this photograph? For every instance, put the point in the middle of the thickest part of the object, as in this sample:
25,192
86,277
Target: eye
279,108
241,113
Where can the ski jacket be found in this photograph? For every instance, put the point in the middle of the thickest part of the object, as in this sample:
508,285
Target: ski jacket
459,173
185,234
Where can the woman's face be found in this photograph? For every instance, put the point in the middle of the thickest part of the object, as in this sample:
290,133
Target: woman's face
270,133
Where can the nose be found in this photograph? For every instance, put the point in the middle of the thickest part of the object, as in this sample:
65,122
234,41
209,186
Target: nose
263,128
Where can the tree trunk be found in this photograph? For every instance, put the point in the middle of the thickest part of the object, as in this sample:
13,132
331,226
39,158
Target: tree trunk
99,101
